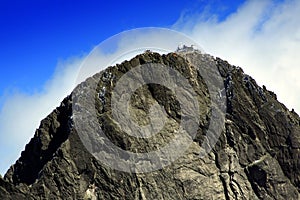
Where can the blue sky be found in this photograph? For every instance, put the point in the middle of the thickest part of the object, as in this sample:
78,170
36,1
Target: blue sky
37,34
43,41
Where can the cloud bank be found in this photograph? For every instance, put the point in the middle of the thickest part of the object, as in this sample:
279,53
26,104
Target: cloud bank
21,113
262,37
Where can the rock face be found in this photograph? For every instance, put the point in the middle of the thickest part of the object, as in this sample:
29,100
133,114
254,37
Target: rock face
257,155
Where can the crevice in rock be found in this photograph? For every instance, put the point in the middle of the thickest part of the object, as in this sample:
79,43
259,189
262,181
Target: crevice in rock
226,192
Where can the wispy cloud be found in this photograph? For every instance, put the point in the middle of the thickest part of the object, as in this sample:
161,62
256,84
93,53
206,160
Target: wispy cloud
263,37
21,113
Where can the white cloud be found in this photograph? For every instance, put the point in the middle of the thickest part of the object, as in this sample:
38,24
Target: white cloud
21,113
262,37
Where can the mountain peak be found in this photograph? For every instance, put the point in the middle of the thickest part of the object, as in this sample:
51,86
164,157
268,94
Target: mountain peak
255,154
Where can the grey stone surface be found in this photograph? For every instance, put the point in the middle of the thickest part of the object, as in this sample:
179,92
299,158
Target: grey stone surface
256,156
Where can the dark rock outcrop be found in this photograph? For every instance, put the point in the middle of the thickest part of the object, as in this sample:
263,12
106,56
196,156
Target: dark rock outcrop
257,155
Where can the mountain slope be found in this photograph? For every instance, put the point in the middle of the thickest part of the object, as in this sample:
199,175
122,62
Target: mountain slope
257,155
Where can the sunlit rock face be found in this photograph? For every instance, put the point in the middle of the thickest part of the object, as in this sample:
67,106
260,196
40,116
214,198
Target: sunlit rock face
256,154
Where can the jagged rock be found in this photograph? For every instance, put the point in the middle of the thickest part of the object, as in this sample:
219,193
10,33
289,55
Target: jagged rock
256,156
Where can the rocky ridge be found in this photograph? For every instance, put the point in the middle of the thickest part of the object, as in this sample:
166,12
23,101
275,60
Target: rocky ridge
256,156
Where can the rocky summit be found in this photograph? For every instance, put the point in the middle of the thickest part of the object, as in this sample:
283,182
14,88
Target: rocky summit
256,154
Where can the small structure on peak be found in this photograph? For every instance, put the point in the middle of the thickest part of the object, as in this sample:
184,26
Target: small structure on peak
185,48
